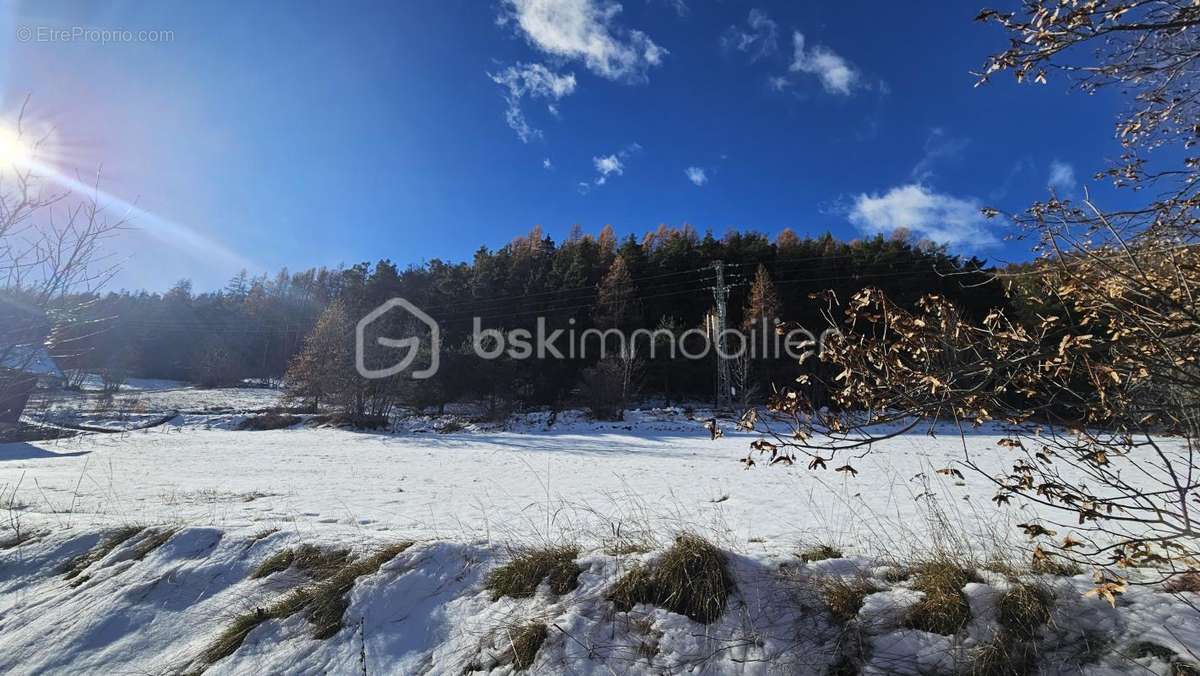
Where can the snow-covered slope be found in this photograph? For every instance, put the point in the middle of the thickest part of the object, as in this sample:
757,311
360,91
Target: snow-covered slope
217,502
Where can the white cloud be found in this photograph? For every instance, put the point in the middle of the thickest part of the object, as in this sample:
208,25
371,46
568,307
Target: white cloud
1062,177
531,80
759,41
609,165
585,30
778,83
696,175
939,147
936,216
836,74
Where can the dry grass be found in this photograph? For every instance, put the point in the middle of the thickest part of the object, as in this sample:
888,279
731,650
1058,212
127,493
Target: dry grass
1054,565
844,596
152,541
316,562
648,637
1178,666
324,600
819,553
524,643
327,600
262,534
1024,608
1183,582
520,577
235,634
691,578
268,421
74,568
1002,656
624,546
275,563
944,610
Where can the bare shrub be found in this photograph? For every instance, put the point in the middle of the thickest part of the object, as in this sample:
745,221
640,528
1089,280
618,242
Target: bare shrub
269,421
607,387
1093,362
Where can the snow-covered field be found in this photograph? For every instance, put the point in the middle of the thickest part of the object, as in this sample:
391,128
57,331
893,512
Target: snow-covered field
465,498
574,479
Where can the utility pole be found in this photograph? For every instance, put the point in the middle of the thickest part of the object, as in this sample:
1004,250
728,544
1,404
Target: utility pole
720,294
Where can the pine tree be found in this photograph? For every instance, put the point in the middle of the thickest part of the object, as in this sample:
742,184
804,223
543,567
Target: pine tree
786,242
608,386
616,306
607,241
763,303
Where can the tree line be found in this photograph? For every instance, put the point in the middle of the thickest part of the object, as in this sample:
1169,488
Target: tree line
252,329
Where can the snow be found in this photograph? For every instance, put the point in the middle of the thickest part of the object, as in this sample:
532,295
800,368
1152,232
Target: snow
466,498
34,360
576,478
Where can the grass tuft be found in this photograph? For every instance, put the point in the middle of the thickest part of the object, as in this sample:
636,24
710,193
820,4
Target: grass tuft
520,577
328,601
944,610
234,635
844,596
263,534
819,553
275,563
325,600
691,578
1002,656
77,565
155,539
525,642
1024,608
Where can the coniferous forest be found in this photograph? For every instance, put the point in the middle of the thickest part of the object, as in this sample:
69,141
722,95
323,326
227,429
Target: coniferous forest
252,329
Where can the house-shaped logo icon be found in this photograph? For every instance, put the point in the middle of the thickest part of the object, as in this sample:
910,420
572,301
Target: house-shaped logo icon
412,344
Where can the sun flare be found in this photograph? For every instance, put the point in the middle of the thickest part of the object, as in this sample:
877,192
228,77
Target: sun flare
14,150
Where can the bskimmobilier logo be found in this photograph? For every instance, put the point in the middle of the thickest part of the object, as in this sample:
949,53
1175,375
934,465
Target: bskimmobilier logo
412,344
561,340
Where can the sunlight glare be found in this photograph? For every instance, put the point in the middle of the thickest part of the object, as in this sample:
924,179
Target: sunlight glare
14,151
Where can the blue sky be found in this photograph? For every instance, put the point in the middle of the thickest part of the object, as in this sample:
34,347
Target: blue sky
266,134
